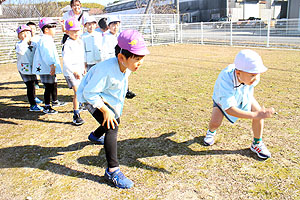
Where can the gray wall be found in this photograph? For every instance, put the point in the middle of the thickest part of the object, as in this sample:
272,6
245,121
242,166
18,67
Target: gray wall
294,9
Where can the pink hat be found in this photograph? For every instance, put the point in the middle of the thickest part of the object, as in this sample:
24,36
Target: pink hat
133,41
72,24
45,21
249,61
23,28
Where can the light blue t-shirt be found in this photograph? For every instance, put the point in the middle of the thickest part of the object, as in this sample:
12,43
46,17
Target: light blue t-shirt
229,92
105,83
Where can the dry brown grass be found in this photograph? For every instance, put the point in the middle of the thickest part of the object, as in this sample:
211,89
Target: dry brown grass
160,137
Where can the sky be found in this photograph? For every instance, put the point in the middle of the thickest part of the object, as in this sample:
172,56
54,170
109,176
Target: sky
103,2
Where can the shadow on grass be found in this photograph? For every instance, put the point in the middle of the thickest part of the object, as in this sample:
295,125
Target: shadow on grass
131,150
18,108
61,83
33,156
5,85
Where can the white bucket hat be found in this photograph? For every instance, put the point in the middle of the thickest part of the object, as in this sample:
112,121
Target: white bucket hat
249,61
112,18
90,19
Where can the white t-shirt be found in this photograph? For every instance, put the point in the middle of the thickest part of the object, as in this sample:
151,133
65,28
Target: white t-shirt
92,46
73,57
109,43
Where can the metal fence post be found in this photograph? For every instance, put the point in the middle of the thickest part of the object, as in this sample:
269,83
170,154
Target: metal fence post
230,33
180,32
202,33
151,29
268,33
174,20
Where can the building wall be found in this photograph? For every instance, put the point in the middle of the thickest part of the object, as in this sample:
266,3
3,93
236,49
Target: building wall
294,9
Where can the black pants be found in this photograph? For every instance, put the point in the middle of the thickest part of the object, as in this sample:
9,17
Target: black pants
110,141
31,92
50,91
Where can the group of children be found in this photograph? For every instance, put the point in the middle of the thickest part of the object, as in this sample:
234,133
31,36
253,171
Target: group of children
104,87
80,51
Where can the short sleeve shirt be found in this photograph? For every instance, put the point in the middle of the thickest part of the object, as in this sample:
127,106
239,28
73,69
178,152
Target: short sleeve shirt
229,92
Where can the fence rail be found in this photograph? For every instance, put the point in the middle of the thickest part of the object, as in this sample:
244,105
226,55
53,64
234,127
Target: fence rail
161,29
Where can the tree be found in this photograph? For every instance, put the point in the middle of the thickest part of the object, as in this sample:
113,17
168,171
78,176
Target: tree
38,8
31,9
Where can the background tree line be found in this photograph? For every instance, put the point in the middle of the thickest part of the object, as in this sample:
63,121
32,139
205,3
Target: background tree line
40,8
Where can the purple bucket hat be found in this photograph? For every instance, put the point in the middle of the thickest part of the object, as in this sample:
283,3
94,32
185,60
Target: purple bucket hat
72,24
46,20
23,28
133,41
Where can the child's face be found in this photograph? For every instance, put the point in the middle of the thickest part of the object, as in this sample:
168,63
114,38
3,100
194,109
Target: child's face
114,27
74,35
76,7
90,26
247,78
50,31
33,29
24,34
133,63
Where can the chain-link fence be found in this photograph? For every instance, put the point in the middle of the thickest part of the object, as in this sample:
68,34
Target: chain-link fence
164,29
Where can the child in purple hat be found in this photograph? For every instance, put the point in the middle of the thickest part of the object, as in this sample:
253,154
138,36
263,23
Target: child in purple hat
25,50
46,63
103,89
73,61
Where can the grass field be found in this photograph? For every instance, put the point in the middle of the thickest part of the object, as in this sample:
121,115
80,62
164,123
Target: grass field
160,138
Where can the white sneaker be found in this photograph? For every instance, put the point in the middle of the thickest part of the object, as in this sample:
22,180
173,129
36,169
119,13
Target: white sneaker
261,150
209,138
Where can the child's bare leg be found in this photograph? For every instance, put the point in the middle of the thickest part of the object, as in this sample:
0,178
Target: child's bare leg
257,145
216,119
257,124
215,122
75,102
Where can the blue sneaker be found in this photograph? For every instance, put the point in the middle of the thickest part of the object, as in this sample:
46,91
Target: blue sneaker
118,179
38,101
36,108
96,140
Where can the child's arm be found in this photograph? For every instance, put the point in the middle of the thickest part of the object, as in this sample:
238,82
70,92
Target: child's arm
52,69
261,114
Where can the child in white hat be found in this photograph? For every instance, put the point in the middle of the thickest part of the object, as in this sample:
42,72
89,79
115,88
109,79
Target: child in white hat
233,98
110,38
92,43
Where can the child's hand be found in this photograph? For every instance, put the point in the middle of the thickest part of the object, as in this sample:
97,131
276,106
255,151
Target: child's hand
76,75
108,117
265,113
52,71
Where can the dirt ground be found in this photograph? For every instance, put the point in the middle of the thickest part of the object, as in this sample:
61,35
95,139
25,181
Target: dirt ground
160,136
